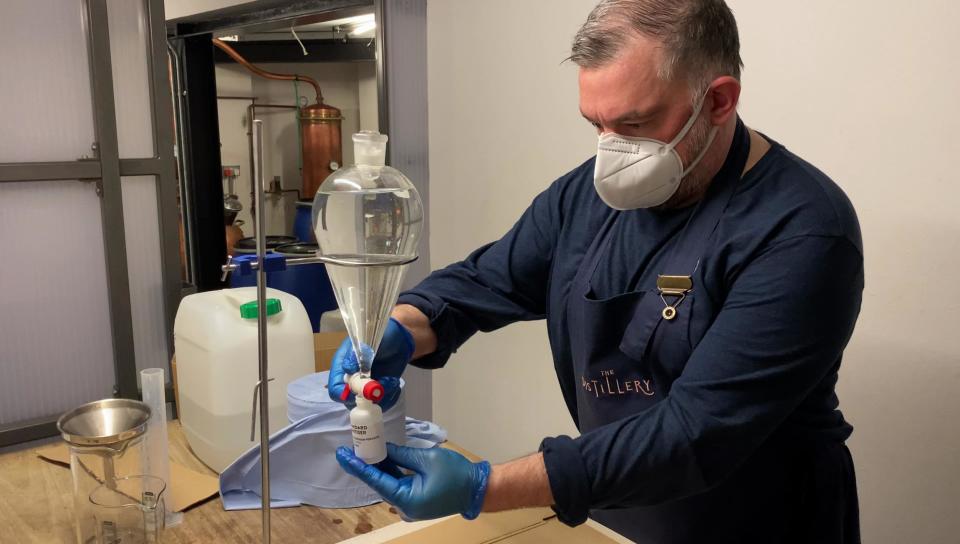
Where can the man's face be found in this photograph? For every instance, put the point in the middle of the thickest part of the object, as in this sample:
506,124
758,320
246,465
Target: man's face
628,97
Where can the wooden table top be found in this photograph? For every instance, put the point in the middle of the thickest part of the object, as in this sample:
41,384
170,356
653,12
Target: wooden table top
36,506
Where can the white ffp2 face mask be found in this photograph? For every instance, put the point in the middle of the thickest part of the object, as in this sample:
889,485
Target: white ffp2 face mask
633,173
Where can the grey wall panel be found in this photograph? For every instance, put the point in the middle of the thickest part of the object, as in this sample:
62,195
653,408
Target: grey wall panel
144,264
45,85
131,77
55,336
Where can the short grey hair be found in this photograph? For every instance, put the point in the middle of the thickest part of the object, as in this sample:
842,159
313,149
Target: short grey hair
700,39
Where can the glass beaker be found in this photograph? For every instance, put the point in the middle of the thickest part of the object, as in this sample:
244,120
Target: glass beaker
130,511
100,435
94,467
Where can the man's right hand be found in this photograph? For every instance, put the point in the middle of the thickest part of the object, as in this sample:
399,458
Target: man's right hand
396,350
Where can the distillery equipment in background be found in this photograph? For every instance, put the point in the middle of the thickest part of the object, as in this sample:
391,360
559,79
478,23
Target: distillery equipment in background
321,151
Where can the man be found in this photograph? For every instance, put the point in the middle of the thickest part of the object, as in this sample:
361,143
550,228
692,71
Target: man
699,284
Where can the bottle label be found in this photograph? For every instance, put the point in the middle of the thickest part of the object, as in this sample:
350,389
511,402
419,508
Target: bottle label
368,442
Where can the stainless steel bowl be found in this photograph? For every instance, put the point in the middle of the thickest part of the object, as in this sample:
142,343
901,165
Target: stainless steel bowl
109,422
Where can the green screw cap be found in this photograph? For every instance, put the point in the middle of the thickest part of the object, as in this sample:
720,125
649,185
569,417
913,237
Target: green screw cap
250,309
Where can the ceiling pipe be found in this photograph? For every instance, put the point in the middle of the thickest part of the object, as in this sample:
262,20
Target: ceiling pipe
269,75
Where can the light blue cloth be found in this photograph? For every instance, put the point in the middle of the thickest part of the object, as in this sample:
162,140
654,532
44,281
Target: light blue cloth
303,467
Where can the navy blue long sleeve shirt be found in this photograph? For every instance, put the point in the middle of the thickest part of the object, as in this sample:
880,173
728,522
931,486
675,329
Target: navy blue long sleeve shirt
779,291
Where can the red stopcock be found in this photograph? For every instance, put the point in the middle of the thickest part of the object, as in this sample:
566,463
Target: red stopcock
369,388
373,391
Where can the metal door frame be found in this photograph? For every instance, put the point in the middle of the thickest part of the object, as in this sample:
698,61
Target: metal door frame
189,42
403,109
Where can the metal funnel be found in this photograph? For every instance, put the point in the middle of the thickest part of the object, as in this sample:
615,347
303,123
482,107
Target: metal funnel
110,423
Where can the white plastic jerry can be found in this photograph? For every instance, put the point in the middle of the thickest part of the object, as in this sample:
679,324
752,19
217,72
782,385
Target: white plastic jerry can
215,336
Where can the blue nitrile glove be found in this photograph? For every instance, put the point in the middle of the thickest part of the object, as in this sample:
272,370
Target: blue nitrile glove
443,481
396,349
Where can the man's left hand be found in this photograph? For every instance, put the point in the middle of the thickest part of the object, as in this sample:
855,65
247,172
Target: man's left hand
443,482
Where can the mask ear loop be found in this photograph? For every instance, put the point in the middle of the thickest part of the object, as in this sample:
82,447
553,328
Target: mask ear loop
686,128
703,152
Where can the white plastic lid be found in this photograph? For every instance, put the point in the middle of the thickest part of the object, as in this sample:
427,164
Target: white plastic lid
370,148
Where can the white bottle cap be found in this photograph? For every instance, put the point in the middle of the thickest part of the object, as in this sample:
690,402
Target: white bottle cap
370,148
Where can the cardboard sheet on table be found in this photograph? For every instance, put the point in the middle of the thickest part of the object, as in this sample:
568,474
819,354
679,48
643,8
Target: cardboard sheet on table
186,488
325,346
516,527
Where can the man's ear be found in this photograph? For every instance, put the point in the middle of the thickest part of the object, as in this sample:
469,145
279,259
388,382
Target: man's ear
723,95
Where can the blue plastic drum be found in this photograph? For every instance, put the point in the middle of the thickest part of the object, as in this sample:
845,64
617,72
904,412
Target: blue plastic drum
248,246
303,222
307,282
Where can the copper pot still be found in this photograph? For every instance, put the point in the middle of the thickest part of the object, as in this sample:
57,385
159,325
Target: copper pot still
320,126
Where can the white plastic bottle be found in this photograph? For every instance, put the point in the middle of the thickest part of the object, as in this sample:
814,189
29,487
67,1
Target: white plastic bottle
366,422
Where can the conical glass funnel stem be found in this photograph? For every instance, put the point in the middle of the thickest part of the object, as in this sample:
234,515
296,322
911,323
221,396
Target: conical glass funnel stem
366,293
366,365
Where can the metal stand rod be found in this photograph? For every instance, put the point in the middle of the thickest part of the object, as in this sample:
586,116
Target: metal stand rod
251,113
262,332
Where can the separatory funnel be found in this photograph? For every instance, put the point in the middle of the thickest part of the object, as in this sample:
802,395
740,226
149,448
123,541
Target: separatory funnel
367,219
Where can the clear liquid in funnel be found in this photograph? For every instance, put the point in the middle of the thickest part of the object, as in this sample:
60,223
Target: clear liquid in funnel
367,235
366,292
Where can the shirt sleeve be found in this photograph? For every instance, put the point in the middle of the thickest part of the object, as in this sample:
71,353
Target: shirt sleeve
498,284
780,332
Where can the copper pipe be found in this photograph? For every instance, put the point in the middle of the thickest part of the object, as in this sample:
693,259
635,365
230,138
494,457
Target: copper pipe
269,75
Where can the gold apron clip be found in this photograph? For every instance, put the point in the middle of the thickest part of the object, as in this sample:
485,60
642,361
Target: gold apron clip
673,286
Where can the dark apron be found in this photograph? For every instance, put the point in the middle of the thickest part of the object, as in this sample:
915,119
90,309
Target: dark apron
625,354
625,358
